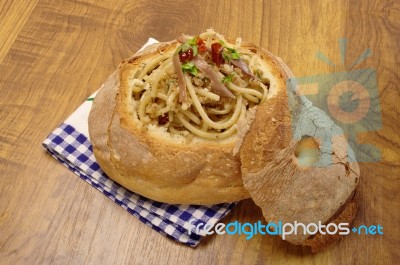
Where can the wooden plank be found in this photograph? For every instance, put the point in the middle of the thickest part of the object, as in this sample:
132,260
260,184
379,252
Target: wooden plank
53,54
13,16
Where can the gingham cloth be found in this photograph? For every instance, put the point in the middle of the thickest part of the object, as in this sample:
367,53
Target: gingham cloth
70,145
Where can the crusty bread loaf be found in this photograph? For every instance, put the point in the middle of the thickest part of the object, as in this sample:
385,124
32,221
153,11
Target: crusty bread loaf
163,171
159,167
286,189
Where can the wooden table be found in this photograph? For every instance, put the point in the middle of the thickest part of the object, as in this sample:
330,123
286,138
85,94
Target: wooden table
54,54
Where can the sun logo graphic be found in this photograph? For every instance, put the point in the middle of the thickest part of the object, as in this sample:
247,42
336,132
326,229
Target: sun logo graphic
349,98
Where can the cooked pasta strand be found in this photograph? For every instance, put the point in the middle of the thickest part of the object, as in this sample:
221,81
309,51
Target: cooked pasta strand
191,116
151,65
203,114
156,86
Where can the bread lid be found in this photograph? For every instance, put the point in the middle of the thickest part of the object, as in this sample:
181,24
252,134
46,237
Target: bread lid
296,163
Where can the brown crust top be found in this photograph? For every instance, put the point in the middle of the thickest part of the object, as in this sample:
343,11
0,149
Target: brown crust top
285,190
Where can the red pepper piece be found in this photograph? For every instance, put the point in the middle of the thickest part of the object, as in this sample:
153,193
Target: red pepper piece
216,53
201,45
186,55
163,119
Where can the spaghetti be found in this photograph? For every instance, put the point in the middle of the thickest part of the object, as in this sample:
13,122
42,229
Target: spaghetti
203,112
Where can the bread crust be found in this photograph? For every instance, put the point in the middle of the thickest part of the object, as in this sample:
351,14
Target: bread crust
285,190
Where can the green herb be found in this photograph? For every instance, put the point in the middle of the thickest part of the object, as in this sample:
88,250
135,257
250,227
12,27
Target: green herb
90,99
190,67
228,78
194,48
230,54
234,53
185,47
190,43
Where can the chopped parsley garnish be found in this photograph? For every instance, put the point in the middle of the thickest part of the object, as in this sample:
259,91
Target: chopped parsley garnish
229,53
189,44
228,78
190,67
195,49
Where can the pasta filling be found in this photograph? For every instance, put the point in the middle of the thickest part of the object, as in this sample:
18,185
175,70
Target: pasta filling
200,90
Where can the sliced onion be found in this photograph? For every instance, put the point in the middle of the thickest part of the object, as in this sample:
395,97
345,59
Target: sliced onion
181,80
242,66
216,84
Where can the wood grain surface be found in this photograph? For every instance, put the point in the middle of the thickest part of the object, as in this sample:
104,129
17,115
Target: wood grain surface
54,54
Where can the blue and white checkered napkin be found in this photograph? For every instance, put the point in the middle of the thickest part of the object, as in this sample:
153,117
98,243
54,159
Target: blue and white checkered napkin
70,145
